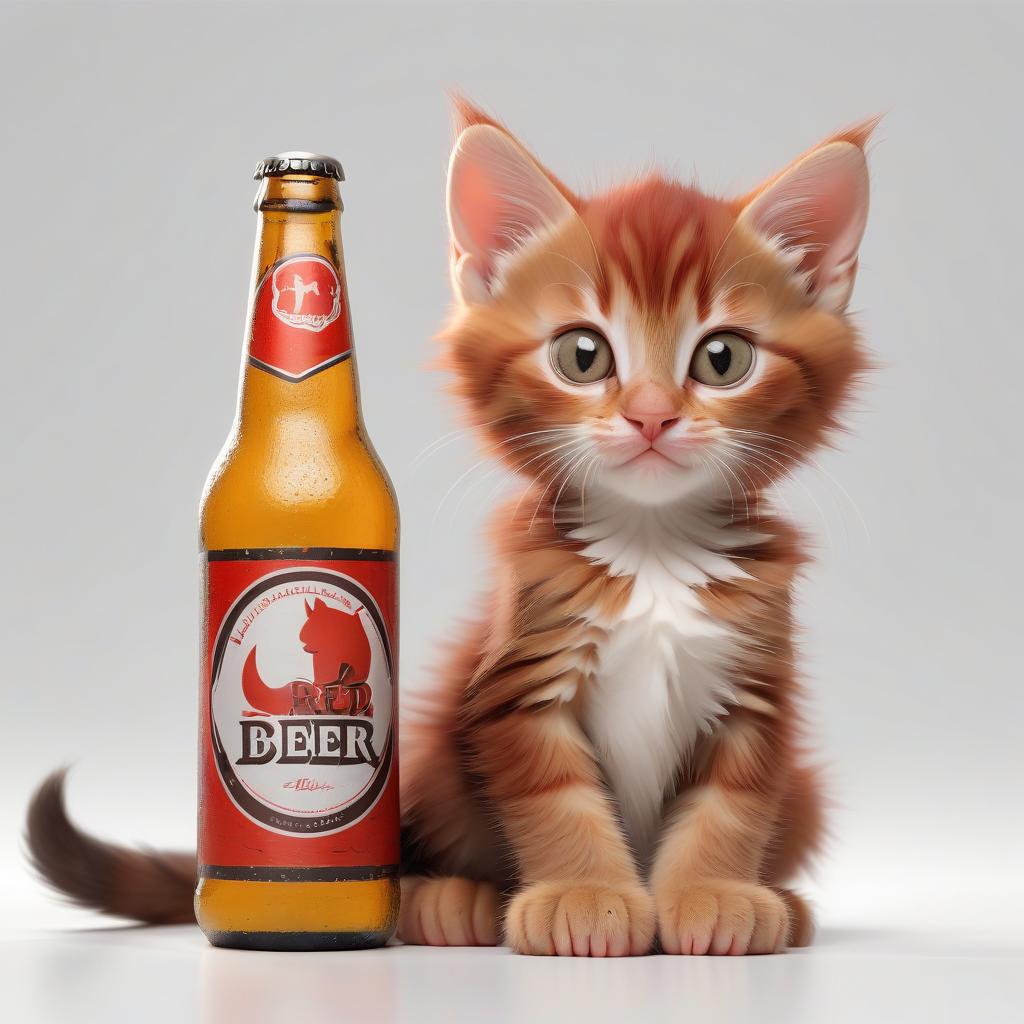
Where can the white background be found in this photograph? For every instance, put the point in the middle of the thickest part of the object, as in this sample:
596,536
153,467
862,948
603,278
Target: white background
130,132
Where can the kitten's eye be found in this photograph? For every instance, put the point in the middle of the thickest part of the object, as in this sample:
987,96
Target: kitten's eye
722,359
582,356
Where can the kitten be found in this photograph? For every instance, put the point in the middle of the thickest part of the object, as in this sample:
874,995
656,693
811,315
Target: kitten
611,761
616,742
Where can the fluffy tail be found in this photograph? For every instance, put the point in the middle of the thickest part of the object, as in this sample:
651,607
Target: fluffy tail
147,886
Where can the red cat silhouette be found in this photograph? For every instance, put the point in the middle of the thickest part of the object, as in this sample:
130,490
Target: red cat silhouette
341,663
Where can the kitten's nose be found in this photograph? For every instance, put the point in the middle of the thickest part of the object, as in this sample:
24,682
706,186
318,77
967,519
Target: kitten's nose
650,411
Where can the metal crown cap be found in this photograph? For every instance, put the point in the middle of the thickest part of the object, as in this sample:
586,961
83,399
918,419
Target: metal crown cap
298,162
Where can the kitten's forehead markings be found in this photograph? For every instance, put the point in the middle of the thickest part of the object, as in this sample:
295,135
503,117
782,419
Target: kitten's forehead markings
634,349
680,266
659,345
622,326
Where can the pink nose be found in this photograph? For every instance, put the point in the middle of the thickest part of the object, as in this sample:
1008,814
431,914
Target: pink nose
651,426
650,411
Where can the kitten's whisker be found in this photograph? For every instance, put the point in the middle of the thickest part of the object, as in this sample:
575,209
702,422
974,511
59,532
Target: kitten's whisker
751,488
542,469
580,461
564,460
583,487
728,469
496,467
723,296
447,494
438,442
809,459
715,463
582,270
499,466
548,451
754,490
785,468
473,468
450,438
718,253
566,284
796,449
446,439
767,460
812,463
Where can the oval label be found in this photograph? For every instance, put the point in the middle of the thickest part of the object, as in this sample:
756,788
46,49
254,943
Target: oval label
302,702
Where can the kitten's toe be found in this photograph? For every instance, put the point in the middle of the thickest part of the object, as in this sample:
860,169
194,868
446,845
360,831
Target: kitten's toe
721,917
581,919
448,912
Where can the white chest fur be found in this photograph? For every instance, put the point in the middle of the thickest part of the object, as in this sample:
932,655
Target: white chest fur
663,670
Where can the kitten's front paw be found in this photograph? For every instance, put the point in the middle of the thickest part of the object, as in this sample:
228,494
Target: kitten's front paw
581,919
447,912
721,917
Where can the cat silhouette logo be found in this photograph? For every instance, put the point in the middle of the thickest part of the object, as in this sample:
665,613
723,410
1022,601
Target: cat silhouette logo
341,663
302,702
306,293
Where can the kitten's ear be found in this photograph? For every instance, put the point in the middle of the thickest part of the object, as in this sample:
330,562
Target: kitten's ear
817,209
498,198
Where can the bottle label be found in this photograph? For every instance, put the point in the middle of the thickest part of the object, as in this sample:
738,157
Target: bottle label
300,320
298,760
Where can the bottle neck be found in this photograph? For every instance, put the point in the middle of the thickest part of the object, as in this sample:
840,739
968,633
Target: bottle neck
297,367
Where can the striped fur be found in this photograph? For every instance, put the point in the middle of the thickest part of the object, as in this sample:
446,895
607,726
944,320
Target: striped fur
616,746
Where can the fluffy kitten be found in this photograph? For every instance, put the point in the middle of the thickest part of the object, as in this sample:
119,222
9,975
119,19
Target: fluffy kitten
611,759
615,745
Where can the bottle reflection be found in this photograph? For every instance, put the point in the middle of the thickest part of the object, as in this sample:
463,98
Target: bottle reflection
236,985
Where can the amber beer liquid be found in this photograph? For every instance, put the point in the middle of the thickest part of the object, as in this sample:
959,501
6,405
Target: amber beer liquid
298,797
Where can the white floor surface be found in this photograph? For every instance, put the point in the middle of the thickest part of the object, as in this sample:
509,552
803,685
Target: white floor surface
152,975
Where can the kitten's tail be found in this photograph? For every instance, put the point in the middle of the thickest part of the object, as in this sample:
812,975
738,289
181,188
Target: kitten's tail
144,885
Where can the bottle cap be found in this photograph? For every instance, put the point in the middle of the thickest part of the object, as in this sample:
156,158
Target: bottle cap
299,163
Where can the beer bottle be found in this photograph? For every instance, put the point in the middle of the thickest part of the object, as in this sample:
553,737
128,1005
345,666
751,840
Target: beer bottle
298,793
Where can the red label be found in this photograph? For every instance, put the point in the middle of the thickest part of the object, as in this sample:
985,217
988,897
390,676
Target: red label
300,319
298,760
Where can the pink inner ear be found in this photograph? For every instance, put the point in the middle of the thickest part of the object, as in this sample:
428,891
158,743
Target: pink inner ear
498,196
479,209
821,204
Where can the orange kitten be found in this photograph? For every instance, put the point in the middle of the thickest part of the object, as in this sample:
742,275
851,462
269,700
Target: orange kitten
615,747
611,762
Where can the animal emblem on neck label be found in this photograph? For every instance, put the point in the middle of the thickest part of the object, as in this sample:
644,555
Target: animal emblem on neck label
300,320
307,293
301,701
